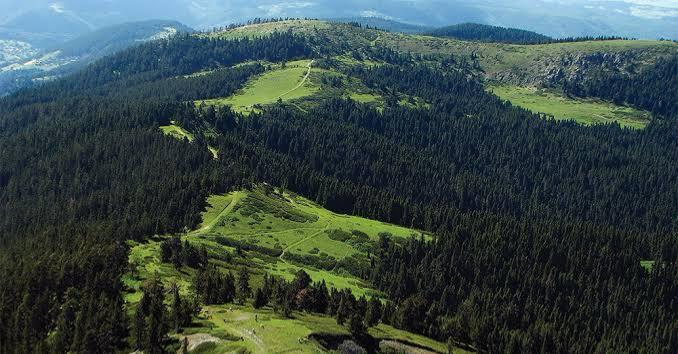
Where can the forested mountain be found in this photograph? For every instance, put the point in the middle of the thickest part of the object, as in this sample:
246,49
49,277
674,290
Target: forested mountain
486,33
55,59
532,230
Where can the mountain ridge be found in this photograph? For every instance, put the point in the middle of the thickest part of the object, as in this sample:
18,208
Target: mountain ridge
33,65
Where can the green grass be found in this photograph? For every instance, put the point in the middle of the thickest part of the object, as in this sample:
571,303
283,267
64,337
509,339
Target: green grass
583,111
648,265
177,132
214,151
257,217
263,331
365,97
254,220
283,84
265,218
296,85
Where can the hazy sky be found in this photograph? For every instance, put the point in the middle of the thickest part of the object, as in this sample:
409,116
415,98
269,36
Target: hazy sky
622,16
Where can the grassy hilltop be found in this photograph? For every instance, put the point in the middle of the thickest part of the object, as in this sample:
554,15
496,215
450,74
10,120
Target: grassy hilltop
513,72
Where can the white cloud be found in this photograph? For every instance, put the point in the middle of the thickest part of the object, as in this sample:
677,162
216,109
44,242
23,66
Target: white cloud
280,8
671,4
649,9
57,7
375,13
652,12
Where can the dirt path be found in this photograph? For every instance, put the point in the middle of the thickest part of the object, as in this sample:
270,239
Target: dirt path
282,255
374,42
303,81
227,209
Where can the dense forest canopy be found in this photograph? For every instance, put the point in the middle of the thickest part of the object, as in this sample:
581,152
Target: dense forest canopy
487,33
655,88
531,215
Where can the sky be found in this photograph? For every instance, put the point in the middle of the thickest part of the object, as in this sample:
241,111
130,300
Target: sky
645,18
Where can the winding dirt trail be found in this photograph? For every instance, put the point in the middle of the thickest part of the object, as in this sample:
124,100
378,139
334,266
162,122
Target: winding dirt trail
236,198
303,81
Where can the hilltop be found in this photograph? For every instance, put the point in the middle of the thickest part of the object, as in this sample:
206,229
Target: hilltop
507,63
513,66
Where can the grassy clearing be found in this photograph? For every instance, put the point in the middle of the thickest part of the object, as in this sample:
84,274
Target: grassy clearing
269,218
365,97
648,265
259,217
177,132
298,84
288,83
262,331
274,229
240,328
583,111
214,151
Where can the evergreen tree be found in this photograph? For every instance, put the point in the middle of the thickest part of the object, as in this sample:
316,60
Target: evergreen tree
244,290
373,314
343,311
356,325
177,307
260,299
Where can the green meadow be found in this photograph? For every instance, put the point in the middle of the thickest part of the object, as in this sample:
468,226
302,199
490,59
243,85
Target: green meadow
233,329
241,229
583,111
177,132
280,84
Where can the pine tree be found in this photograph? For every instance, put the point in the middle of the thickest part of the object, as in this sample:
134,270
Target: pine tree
373,314
244,290
356,325
259,299
177,307
343,311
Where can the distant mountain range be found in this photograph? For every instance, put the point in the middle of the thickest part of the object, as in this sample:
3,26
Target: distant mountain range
23,64
556,18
